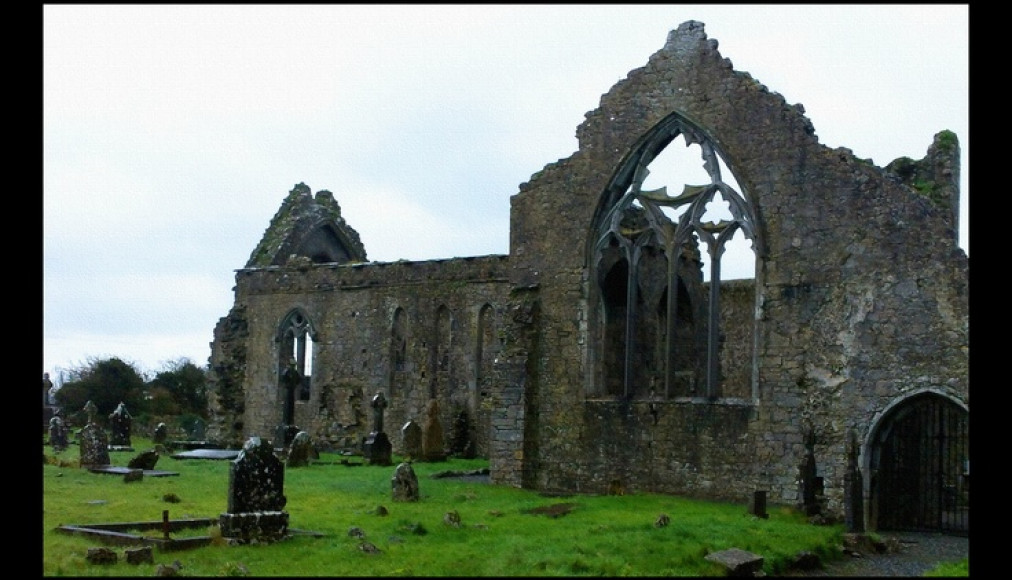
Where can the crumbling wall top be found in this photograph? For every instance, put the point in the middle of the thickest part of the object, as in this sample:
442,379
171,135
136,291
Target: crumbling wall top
308,227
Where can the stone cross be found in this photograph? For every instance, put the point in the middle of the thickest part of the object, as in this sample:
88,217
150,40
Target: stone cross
90,408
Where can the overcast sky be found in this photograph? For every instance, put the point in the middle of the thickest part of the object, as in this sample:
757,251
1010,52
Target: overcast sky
172,133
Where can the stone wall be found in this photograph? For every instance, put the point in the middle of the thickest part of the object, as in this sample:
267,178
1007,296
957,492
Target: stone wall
860,300
861,295
352,308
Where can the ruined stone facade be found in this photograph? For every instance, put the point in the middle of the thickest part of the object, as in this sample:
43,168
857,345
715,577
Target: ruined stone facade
570,364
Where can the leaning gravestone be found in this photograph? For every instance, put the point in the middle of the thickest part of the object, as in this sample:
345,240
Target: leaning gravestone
146,460
411,435
302,451
404,483
256,497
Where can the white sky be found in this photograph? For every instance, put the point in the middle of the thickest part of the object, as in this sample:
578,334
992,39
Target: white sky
172,133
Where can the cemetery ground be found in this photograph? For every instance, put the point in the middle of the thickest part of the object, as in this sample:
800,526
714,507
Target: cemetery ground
354,528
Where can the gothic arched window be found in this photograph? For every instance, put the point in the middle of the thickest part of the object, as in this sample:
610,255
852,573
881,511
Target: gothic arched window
295,354
650,340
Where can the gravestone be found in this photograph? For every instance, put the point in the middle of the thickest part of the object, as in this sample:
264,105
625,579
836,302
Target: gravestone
90,409
146,460
197,430
256,498
48,399
161,434
94,446
302,451
404,483
377,448
757,505
57,432
432,434
809,479
411,436
853,484
285,434
738,562
120,422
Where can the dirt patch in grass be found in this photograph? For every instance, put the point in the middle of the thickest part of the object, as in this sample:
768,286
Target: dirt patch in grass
555,510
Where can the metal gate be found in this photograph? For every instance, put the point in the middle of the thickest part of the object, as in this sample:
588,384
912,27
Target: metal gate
921,468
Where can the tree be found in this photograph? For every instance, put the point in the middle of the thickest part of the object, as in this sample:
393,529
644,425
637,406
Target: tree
106,383
186,384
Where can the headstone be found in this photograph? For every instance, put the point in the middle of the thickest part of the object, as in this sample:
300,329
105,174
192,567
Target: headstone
94,446
377,449
46,386
133,475
197,430
119,424
256,498
757,506
302,451
809,479
90,409
146,460
48,399
139,555
101,556
738,562
404,483
161,434
411,435
57,432
853,483
285,434
432,434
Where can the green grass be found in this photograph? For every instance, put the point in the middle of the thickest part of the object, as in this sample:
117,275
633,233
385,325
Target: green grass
959,569
600,536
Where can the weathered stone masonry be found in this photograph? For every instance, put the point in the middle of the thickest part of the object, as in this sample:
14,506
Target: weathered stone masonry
577,369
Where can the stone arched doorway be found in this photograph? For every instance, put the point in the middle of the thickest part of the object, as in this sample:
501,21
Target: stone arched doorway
920,467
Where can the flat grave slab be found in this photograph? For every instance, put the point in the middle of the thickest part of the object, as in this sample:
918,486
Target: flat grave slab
116,470
207,454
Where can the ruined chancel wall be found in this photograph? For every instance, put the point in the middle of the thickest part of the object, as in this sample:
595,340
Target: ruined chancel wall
860,299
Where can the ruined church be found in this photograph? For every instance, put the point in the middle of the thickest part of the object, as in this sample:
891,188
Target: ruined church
609,351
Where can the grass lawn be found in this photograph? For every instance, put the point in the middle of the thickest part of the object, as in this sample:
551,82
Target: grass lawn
501,532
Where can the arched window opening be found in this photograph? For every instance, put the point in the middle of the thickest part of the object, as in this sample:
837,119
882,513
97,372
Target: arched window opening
399,341
295,362
652,342
487,348
614,300
444,336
